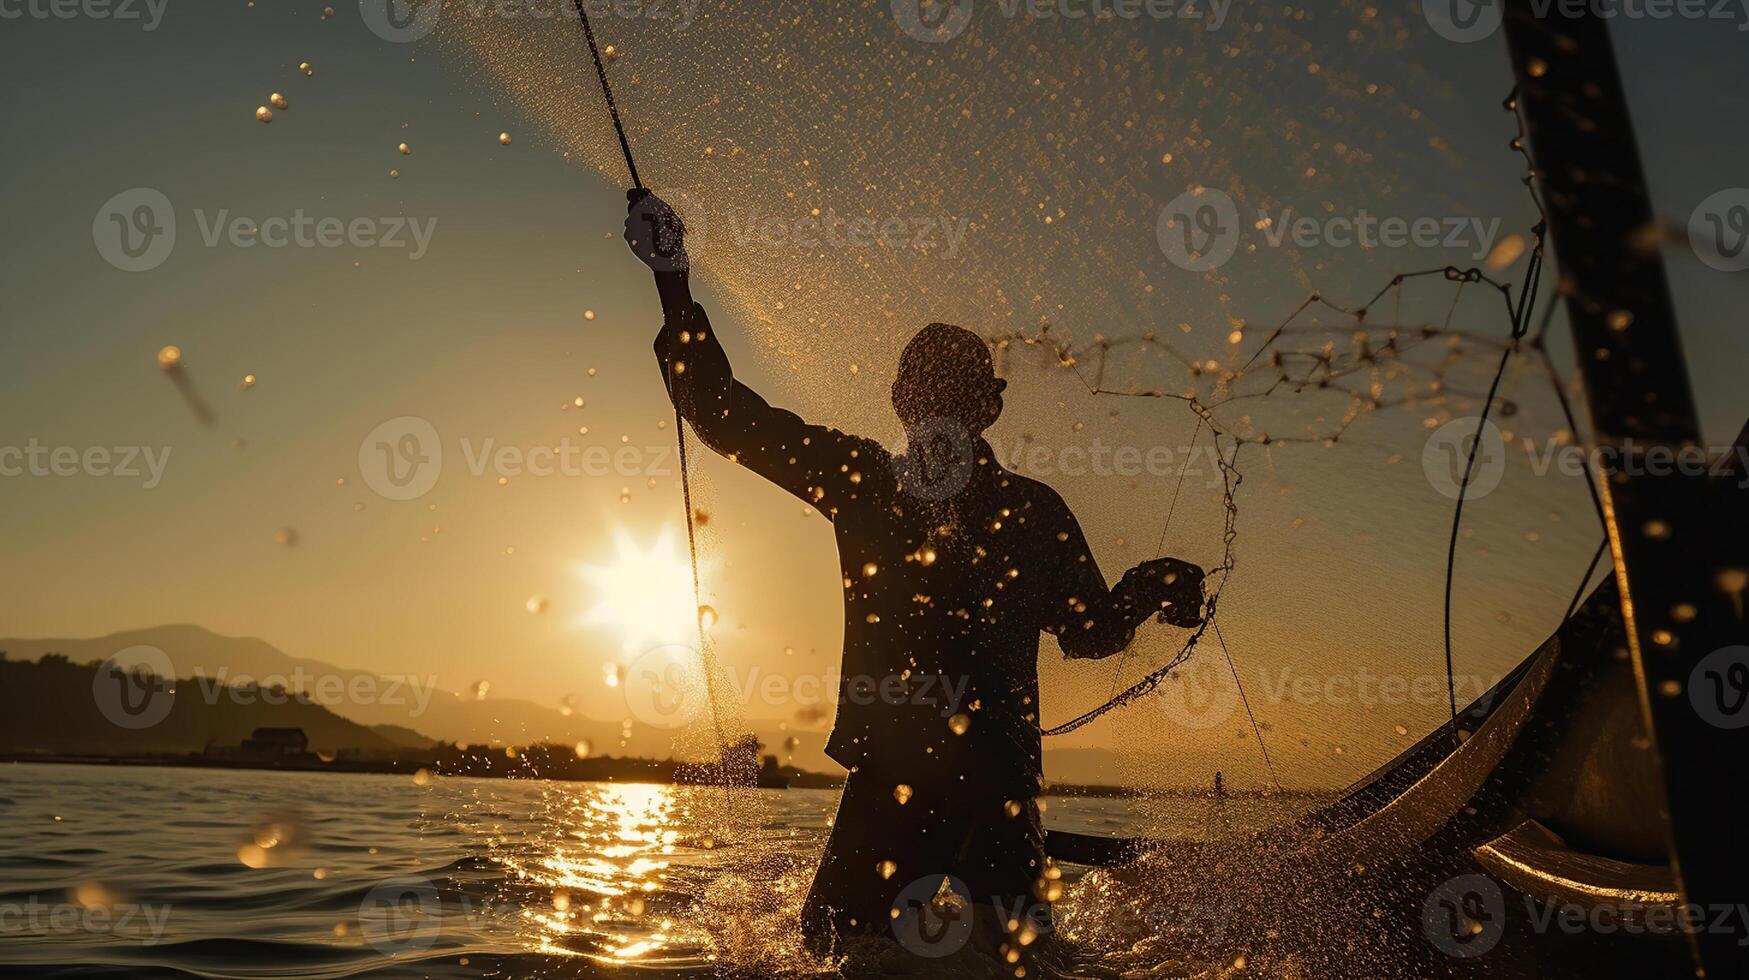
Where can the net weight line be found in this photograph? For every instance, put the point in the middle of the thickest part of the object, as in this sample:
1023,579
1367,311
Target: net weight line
706,655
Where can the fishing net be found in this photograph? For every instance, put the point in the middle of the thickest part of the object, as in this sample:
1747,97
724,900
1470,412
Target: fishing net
1121,206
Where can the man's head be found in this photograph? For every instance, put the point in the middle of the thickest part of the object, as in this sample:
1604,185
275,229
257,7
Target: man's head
946,372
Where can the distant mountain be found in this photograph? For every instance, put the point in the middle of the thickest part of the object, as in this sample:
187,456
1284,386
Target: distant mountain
413,705
57,705
449,716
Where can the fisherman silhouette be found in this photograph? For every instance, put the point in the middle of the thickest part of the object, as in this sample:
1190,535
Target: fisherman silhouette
952,566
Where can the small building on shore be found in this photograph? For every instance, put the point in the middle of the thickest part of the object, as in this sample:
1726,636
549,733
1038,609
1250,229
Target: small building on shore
275,743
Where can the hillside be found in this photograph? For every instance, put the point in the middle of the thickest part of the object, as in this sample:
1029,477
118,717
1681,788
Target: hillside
53,705
434,713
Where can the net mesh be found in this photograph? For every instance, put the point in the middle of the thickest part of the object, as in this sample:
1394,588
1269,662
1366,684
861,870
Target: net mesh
1013,178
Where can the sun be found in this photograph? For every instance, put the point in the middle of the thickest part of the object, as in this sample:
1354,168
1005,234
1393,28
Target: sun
645,594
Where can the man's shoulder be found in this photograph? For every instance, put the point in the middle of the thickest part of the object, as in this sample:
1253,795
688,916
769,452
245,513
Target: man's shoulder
1036,495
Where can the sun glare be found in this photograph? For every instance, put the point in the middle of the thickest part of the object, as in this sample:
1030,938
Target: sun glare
645,594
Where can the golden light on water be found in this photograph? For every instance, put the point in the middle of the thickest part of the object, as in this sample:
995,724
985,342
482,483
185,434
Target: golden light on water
645,594
606,864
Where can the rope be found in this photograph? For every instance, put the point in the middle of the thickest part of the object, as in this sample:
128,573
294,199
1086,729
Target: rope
607,91
1234,668
1520,315
704,650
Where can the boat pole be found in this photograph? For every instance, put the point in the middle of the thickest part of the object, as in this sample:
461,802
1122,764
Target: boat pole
1676,557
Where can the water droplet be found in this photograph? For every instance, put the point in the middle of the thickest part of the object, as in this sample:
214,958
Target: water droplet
887,869
1505,252
707,617
170,357
537,604
902,793
422,778
504,139
278,101
480,689
285,537
960,723
406,150
583,749
263,114
588,314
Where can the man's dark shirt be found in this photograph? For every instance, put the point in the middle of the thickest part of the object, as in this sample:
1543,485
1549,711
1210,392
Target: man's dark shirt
949,577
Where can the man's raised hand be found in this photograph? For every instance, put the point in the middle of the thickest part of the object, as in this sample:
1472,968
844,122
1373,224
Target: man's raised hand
655,232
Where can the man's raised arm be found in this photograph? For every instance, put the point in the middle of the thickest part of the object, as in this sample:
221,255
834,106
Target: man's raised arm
728,416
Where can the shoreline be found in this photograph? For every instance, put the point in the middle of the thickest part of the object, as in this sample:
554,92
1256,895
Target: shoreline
605,769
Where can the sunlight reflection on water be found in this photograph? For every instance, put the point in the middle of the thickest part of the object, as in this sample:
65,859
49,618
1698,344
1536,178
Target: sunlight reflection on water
483,877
